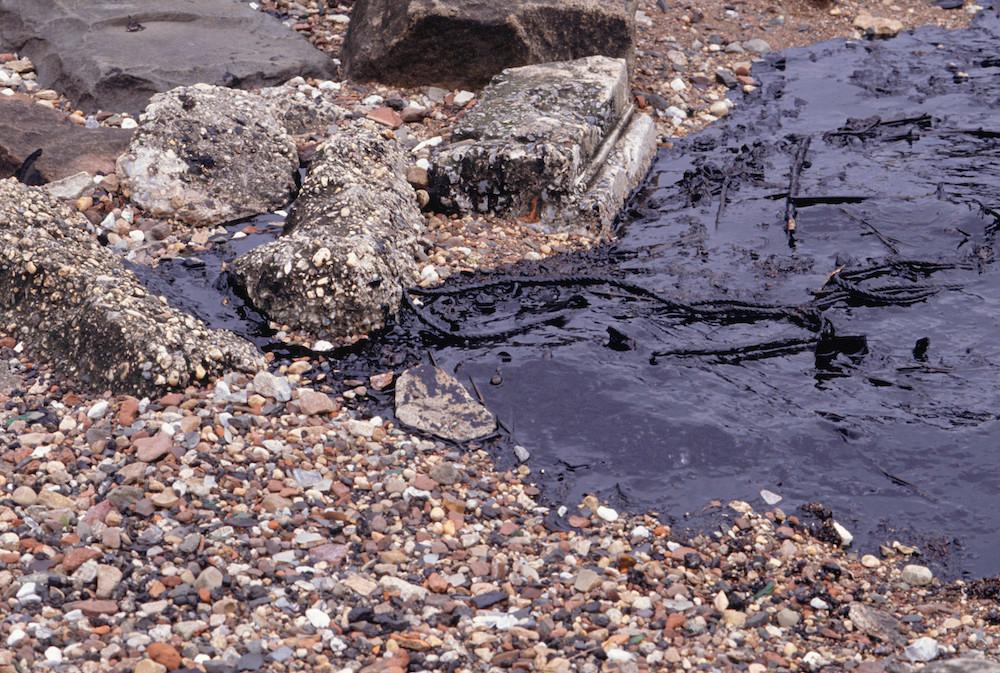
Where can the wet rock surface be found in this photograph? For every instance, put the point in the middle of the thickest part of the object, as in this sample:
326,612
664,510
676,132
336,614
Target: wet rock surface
822,262
206,155
349,244
71,301
536,140
466,42
430,399
67,148
117,55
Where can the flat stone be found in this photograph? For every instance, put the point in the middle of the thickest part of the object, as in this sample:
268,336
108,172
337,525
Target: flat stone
108,579
75,305
877,26
876,623
86,50
430,399
314,403
275,387
151,449
406,590
350,242
586,580
54,500
463,43
93,607
67,149
210,578
175,167
360,585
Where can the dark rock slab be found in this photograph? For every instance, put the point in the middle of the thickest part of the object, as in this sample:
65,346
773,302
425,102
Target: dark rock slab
465,42
67,149
116,55
71,301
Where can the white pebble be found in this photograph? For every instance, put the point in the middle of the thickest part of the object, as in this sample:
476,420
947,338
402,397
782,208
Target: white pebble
318,618
770,497
607,514
98,410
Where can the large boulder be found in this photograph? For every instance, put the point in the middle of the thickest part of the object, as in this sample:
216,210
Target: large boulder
556,143
116,55
207,154
71,301
464,43
350,242
67,149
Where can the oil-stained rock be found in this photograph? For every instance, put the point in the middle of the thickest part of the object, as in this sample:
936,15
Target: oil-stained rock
430,399
463,43
207,154
350,243
540,138
71,302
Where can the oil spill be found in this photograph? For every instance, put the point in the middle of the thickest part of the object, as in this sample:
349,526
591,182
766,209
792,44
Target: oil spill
802,298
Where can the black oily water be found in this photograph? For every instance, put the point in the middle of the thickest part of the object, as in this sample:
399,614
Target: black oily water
802,298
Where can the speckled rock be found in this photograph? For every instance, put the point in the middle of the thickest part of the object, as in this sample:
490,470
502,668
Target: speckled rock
302,109
540,143
206,155
462,43
71,301
430,399
350,242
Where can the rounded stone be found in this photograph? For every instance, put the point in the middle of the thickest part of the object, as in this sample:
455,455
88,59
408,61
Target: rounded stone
25,496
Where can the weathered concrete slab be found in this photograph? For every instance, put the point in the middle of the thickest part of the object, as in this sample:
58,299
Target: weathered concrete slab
72,303
542,138
207,154
430,399
463,43
67,149
350,242
116,55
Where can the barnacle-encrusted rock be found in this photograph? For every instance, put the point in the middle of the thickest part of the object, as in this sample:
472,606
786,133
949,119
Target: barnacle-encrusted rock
556,142
462,43
72,302
207,154
349,246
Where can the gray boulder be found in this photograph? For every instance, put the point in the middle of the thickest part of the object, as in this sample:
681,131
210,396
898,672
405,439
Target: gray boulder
67,149
430,399
350,242
116,55
72,303
206,155
463,43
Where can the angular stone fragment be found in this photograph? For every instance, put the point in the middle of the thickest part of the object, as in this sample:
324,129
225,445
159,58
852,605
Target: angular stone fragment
546,139
206,155
430,399
71,301
350,242
67,149
462,43
115,55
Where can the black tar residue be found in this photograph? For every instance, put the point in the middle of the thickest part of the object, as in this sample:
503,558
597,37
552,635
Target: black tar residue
803,298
